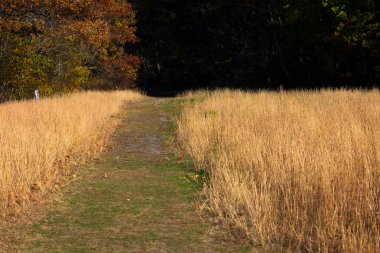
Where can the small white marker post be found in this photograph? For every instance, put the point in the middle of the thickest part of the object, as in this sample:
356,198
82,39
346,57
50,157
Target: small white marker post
37,94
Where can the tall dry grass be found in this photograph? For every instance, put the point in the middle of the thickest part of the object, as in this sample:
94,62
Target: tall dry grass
296,169
38,138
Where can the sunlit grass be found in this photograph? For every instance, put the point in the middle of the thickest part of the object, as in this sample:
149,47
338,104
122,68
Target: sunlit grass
39,139
296,169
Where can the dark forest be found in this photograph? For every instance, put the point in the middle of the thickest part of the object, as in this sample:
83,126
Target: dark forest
259,44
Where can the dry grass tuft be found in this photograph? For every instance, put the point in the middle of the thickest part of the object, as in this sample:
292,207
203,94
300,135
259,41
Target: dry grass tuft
296,169
40,138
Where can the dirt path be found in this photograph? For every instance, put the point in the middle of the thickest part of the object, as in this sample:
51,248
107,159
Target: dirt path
133,199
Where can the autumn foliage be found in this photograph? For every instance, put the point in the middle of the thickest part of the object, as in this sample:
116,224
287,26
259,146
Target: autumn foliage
65,45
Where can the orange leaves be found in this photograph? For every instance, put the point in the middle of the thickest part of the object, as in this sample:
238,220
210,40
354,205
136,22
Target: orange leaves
98,21
88,35
122,69
95,33
20,26
120,19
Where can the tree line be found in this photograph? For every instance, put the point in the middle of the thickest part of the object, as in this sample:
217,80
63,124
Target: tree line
60,46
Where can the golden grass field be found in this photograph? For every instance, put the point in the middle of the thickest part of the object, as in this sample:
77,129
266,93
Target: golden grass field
299,170
39,139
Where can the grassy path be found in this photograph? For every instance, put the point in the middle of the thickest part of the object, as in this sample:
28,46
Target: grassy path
135,198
